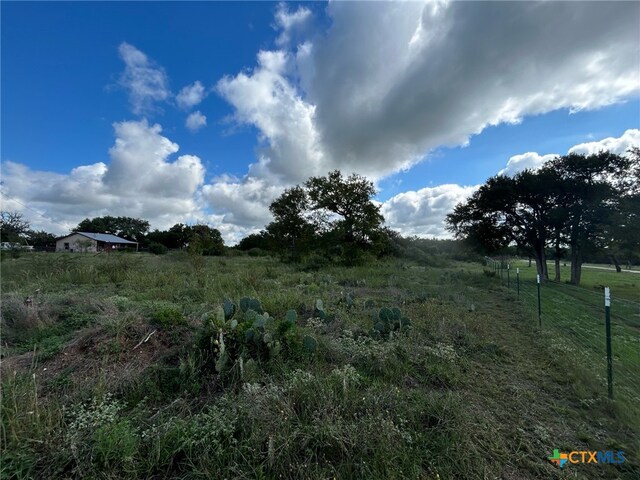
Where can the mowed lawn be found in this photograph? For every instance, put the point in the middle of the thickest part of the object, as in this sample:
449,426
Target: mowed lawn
106,373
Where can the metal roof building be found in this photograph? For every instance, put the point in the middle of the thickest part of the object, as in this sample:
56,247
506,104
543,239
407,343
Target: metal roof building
105,237
91,242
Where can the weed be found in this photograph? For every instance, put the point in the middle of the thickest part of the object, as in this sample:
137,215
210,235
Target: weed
167,315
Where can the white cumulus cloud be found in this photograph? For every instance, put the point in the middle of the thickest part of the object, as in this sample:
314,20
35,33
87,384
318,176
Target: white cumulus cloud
195,121
423,212
618,145
191,95
533,160
140,181
288,146
523,161
391,83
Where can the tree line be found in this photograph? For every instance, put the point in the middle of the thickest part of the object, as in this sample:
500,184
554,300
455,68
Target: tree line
574,206
200,238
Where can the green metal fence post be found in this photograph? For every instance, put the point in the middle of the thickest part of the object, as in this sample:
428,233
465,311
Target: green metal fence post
508,279
607,321
518,280
539,304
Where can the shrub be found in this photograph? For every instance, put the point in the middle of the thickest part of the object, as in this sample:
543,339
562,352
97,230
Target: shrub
158,249
315,262
168,315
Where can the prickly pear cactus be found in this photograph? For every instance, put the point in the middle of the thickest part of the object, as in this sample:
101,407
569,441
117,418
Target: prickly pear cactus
229,309
250,316
248,303
244,304
254,304
389,320
385,315
310,344
291,316
260,321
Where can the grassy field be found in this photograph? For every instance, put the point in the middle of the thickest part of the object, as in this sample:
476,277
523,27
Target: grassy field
111,369
576,317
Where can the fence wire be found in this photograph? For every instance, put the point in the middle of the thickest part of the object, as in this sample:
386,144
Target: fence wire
573,317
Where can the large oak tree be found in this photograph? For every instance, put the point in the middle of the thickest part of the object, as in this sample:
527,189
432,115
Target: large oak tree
587,203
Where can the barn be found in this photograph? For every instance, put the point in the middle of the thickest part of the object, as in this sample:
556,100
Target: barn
91,242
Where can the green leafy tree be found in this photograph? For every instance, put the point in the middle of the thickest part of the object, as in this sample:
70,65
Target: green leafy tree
622,233
124,227
291,227
176,237
507,210
200,238
262,240
345,206
591,191
41,238
584,203
208,239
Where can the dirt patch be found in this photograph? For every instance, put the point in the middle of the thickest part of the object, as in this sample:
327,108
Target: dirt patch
96,355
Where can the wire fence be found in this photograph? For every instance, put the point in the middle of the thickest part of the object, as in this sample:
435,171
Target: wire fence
601,330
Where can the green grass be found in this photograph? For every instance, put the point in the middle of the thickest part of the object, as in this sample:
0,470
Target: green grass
471,390
574,317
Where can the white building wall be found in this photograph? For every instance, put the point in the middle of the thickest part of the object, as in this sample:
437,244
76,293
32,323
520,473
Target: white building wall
76,244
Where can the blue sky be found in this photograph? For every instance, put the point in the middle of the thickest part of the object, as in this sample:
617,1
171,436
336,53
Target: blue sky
427,99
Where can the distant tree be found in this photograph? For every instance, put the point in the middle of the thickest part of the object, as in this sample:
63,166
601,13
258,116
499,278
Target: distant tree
179,236
260,240
291,227
13,226
200,238
385,242
132,228
41,238
208,239
125,227
97,225
622,233
157,248
176,237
